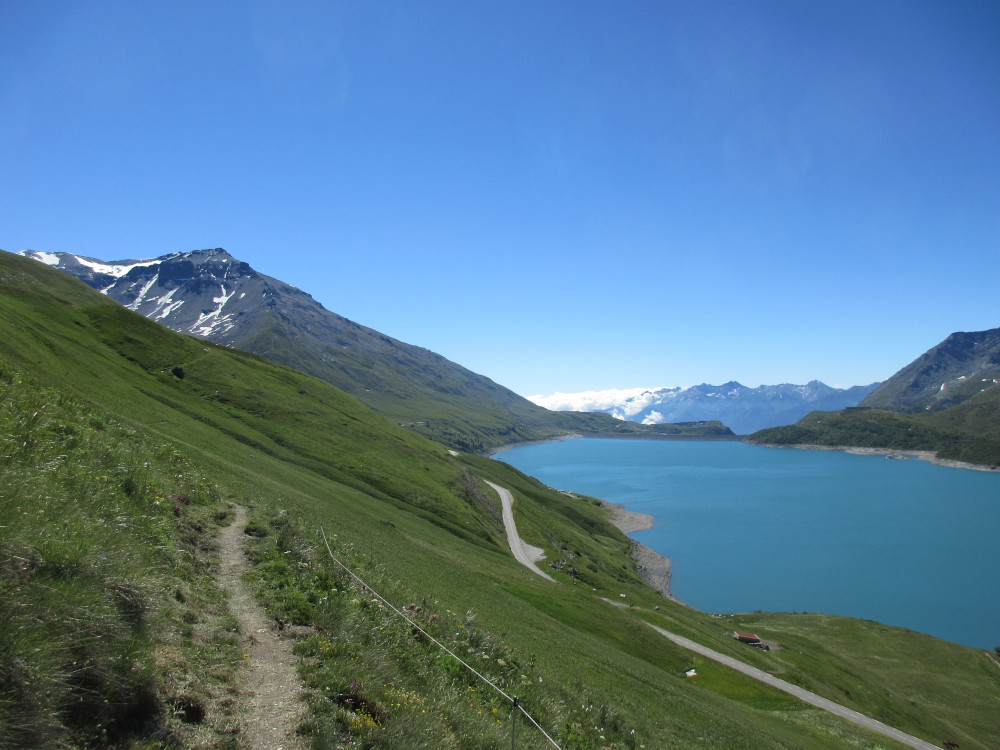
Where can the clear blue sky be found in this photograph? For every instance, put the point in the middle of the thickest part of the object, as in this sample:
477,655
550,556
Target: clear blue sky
559,195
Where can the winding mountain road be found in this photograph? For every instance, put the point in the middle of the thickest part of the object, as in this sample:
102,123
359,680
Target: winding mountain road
523,553
804,695
528,555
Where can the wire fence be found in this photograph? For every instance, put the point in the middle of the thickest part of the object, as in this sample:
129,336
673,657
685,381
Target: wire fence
513,700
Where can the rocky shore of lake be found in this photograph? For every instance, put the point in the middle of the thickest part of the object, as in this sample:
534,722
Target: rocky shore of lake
887,452
653,567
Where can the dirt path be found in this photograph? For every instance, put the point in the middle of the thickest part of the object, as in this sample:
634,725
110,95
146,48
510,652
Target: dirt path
268,683
523,553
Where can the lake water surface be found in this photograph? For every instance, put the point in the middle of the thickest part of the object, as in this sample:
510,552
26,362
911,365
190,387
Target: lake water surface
902,542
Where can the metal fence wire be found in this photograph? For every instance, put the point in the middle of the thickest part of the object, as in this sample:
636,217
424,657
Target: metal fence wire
515,703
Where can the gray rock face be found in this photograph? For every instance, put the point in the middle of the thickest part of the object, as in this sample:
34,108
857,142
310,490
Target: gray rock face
206,293
955,370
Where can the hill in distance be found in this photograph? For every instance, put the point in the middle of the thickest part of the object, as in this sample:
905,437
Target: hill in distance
742,409
212,295
124,448
946,401
957,369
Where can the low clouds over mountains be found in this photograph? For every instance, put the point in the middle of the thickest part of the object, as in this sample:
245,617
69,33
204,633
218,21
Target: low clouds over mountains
744,410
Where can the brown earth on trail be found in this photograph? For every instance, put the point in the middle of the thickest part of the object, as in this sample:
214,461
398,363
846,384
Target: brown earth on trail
268,684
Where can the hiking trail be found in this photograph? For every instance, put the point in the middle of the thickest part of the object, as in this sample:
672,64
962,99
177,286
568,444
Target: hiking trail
268,683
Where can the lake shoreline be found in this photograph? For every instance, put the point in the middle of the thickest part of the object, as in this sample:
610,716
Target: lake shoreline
892,453
652,567
737,508
490,452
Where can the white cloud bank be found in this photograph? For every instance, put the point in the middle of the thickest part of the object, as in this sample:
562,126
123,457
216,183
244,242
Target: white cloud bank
620,403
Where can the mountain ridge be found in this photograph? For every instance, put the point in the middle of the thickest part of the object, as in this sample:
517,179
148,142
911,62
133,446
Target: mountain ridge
742,409
946,375
212,295
947,401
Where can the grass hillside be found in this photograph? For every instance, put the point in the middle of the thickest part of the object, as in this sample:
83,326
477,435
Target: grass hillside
408,384
969,432
946,401
124,447
420,389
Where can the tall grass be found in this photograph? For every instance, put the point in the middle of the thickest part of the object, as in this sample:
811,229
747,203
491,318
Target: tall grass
376,680
90,514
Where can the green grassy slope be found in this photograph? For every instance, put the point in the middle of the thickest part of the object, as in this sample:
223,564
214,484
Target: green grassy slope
969,432
422,390
408,384
135,440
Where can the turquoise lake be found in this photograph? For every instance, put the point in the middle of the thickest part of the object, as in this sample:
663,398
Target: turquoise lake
903,542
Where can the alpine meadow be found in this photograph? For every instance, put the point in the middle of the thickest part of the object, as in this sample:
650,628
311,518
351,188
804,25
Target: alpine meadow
127,448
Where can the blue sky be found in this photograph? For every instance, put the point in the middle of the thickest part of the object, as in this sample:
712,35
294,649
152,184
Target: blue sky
559,195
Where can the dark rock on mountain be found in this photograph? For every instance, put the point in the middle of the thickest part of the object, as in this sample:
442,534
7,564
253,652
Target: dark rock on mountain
957,369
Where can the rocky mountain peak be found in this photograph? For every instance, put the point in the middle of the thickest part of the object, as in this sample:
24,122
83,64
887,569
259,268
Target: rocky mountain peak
958,368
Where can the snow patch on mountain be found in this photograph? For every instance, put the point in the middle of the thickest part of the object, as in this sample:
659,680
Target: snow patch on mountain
219,321
141,297
49,259
165,305
111,269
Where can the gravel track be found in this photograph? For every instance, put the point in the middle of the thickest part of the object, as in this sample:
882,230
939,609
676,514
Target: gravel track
523,553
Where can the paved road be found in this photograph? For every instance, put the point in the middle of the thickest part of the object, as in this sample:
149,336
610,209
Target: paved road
804,695
523,553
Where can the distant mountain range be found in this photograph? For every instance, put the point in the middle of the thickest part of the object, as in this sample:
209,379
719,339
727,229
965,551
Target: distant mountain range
947,401
742,409
212,295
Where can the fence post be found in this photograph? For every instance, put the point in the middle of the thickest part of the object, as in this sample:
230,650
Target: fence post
513,724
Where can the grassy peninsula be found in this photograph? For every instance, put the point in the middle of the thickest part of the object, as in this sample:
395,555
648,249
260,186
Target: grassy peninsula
125,449
966,433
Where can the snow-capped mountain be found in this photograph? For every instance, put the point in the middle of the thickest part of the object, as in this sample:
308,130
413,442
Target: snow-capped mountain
742,409
212,295
205,293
